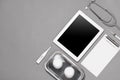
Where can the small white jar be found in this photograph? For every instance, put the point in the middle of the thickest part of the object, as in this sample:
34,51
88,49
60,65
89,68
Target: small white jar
69,72
57,62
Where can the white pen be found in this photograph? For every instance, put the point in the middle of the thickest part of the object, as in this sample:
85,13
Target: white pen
42,56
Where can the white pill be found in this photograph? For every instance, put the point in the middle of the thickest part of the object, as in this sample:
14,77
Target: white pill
69,72
57,62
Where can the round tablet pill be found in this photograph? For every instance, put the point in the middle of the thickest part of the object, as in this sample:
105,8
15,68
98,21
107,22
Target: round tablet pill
57,62
69,72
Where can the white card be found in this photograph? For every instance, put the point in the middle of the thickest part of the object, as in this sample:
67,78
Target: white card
100,56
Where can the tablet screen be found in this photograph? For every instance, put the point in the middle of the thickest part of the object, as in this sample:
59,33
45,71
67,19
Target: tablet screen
76,37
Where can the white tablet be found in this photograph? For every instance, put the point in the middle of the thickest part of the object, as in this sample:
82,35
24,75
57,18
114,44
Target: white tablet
78,35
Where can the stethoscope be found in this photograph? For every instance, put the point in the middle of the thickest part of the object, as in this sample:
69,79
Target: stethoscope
110,23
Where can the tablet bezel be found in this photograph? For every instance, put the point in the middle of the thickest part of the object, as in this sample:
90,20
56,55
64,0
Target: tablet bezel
66,27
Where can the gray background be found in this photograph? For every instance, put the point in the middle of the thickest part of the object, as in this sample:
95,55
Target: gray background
28,27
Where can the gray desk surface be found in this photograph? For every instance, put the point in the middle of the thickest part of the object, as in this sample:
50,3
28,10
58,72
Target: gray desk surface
27,28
